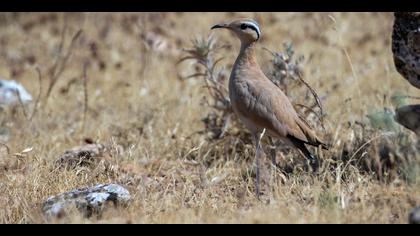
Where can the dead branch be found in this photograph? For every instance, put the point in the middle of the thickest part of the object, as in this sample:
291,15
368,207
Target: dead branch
39,93
21,103
7,148
61,62
317,100
86,100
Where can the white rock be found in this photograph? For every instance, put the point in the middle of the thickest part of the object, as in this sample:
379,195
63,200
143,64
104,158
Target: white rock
9,90
86,200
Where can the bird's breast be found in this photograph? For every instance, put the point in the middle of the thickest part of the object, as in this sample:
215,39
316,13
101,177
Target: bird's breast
243,99
238,92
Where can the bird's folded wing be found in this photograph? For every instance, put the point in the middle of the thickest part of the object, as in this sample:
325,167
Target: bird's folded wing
268,107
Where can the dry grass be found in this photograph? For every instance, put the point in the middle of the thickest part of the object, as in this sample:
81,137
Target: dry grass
119,89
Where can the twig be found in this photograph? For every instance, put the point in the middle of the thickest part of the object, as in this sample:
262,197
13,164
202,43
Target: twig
58,70
353,71
60,47
317,100
39,93
84,77
145,50
268,50
7,148
21,103
311,110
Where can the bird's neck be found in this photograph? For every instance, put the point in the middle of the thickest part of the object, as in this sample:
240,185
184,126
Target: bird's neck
246,56
244,64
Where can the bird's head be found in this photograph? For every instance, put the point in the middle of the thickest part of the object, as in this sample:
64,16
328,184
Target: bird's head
247,30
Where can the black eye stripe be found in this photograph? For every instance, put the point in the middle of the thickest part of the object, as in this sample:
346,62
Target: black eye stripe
245,26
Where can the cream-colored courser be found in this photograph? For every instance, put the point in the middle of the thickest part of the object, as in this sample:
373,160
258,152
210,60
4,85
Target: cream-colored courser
259,103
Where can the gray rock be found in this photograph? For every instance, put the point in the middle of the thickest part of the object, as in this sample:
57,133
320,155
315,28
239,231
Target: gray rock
87,200
414,217
409,117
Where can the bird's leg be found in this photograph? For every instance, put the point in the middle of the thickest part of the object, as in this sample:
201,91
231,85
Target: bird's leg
258,153
273,151
257,163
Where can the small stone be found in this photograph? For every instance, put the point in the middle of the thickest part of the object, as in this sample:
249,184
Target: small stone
82,155
414,217
87,200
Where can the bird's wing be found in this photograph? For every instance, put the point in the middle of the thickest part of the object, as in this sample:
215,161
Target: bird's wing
267,106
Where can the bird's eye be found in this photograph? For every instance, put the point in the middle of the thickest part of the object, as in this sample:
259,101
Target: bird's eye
244,26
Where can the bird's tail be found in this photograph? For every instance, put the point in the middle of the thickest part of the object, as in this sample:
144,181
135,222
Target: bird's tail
313,160
312,138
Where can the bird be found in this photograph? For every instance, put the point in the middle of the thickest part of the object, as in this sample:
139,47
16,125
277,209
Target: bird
260,104
406,45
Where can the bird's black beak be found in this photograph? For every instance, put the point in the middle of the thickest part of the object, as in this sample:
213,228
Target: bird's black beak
219,26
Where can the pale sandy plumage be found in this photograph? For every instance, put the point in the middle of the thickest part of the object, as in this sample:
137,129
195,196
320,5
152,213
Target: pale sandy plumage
259,103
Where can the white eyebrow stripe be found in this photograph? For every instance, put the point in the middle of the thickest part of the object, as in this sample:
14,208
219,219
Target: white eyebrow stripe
255,26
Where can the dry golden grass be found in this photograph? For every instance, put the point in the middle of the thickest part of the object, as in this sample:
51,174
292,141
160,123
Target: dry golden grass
149,118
